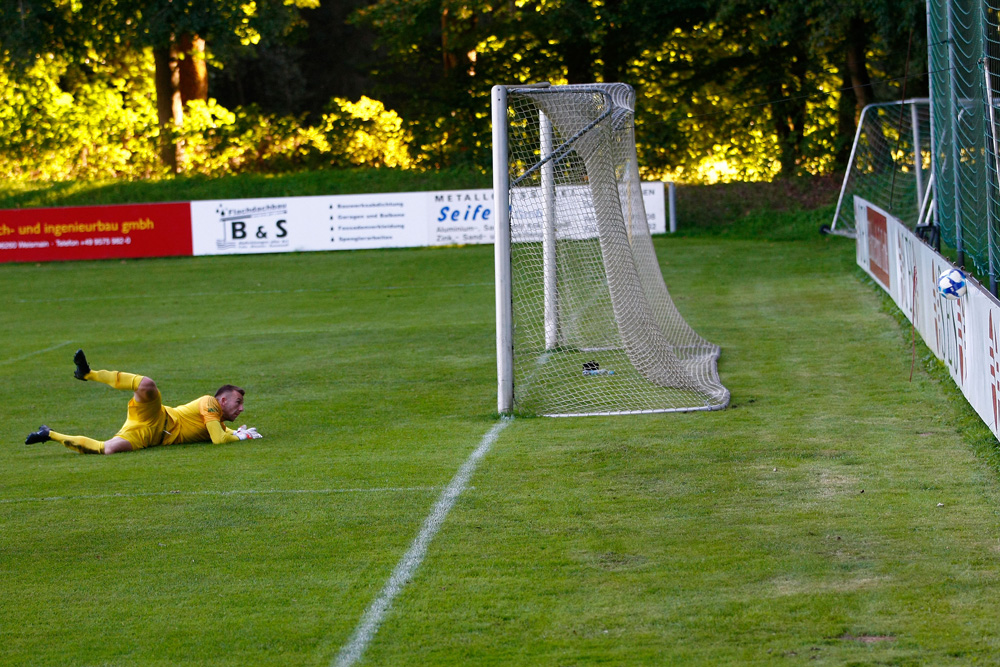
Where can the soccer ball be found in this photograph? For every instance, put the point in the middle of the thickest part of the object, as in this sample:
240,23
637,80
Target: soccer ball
951,284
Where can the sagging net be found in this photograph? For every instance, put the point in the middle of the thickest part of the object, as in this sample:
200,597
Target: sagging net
595,329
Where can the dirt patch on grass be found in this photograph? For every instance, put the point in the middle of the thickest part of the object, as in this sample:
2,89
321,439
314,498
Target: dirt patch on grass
866,639
784,586
614,562
834,484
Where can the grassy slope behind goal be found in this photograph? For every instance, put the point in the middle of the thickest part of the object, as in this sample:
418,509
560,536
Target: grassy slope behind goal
244,186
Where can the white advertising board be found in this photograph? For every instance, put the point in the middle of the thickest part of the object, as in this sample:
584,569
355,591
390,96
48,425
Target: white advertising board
459,217
352,222
292,224
964,333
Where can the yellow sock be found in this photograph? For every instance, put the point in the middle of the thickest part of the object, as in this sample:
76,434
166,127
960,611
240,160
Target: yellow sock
116,379
79,443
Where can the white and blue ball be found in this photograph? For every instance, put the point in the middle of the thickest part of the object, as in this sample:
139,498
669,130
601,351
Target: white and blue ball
952,284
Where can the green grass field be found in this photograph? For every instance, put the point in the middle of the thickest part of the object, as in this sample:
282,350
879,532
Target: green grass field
836,514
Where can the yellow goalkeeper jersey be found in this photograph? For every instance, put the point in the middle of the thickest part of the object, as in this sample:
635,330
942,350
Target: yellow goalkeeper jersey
189,422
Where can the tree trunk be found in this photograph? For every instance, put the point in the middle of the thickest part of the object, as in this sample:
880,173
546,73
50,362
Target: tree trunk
449,57
789,110
613,48
576,46
857,62
455,51
784,129
193,68
578,61
169,106
846,122
861,86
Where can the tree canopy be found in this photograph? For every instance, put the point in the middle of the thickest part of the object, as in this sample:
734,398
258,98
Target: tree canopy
727,89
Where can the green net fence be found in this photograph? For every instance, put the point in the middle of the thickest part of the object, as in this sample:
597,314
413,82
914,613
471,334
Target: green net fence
963,54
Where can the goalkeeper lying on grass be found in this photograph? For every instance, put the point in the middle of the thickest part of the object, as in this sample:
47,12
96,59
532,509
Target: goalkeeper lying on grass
149,423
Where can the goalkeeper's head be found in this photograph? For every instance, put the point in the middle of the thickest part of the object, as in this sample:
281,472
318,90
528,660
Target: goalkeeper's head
230,398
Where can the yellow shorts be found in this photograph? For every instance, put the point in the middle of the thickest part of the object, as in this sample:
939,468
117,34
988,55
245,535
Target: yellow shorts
146,423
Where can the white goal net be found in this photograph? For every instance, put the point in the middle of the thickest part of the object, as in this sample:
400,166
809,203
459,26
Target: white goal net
890,165
585,325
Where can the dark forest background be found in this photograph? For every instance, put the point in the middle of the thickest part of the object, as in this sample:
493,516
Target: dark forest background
727,89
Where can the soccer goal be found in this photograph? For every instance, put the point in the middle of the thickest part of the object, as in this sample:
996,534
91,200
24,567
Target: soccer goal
585,324
890,165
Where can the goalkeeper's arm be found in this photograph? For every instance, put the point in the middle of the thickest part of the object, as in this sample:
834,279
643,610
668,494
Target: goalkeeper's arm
244,433
220,433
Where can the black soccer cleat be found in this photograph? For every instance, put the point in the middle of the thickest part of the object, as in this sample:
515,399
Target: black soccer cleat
82,367
41,435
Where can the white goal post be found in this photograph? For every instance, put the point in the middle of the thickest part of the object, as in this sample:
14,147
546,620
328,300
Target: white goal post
585,324
890,165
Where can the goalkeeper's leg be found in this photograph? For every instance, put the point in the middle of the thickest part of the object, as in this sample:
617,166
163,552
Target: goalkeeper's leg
144,388
78,443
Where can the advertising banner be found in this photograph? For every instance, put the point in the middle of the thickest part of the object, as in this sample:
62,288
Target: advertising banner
964,333
354,222
656,206
459,217
274,224
95,232
295,224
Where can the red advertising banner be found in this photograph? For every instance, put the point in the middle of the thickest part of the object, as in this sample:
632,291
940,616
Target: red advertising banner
878,246
95,232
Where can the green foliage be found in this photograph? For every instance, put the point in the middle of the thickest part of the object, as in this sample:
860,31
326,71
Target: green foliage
61,122
249,141
105,127
114,27
218,142
727,89
366,133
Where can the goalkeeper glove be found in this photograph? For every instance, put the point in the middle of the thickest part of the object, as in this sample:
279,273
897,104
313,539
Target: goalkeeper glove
244,433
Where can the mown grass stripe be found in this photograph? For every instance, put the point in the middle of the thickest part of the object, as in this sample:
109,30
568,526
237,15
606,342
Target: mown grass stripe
407,566
377,288
248,492
35,353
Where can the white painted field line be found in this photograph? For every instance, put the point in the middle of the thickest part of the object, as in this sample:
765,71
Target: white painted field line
251,492
32,354
354,649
